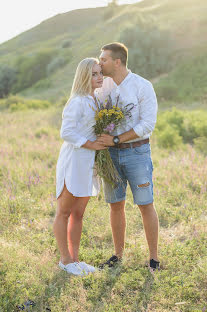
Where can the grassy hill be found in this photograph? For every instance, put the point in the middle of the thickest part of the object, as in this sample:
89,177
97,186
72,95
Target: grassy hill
86,30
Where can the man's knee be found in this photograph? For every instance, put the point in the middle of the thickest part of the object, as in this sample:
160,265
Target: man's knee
119,206
146,208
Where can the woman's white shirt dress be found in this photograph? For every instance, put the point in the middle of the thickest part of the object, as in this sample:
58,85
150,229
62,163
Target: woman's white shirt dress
75,166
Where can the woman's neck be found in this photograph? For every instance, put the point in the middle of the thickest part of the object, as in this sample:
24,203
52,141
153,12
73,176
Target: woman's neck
92,93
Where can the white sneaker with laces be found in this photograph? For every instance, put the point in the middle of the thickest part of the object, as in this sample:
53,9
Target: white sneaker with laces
72,268
87,267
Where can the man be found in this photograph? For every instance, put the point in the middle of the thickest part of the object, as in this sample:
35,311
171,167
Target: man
130,148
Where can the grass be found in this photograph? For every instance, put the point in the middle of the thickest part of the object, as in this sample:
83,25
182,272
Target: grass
29,147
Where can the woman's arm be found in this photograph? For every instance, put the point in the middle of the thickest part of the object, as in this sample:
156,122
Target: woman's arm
72,113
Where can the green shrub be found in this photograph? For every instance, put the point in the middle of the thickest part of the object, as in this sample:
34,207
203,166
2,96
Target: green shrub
166,91
55,64
30,104
187,83
174,118
6,103
16,103
201,144
66,44
195,125
150,48
190,126
42,84
31,69
7,79
111,10
169,138
66,54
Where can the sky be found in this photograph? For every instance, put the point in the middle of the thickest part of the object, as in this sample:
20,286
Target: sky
17,16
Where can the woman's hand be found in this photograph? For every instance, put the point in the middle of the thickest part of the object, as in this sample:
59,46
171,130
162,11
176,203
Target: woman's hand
95,145
106,139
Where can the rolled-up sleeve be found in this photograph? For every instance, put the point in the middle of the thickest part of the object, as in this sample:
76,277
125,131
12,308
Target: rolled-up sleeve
72,114
148,110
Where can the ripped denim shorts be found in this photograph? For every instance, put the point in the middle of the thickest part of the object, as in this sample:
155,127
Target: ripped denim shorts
135,167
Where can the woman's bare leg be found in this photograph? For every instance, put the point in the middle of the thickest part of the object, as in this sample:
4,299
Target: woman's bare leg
75,226
65,203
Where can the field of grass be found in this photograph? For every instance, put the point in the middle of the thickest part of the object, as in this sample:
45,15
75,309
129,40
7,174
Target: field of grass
29,147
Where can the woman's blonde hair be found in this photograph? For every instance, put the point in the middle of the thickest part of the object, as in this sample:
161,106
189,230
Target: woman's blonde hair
82,80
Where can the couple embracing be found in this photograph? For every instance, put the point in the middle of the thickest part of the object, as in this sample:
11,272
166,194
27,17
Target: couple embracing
129,148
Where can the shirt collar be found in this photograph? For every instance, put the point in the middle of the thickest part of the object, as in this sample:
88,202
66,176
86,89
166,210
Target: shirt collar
125,80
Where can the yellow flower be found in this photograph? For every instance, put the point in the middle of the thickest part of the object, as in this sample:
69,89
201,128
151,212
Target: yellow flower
100,114
111,111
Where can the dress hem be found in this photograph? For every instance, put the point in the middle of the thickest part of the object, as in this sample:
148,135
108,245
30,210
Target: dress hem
59,193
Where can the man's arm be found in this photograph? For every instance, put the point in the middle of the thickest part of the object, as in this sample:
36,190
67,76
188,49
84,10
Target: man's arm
107,139
146,124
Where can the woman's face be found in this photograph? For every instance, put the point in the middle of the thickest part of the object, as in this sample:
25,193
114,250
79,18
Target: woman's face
97,76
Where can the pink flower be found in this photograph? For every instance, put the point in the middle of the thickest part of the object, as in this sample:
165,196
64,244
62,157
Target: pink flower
110,127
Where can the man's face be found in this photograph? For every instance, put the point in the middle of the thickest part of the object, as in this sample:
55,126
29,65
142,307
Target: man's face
107,63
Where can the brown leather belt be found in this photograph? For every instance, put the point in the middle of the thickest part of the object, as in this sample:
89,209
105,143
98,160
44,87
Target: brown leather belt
132,144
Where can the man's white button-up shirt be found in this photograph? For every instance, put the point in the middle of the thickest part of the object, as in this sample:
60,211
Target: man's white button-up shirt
138,91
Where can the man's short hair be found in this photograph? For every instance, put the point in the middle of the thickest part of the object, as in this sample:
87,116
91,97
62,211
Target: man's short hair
118,51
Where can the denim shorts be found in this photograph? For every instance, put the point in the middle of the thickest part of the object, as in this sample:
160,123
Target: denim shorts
135,167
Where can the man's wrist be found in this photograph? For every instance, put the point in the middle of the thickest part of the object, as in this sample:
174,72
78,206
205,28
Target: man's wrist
116,140
127,136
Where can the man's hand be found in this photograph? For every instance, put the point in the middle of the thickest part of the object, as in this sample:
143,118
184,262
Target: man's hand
106,139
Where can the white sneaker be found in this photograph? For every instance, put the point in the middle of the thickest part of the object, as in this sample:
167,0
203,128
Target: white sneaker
87,267
72,268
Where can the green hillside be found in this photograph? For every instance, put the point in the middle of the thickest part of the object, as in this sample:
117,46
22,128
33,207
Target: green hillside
72,36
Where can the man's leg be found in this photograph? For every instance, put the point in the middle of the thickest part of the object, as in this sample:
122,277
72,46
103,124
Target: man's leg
118,226
151,226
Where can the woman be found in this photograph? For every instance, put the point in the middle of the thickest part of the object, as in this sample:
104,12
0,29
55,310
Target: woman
76,177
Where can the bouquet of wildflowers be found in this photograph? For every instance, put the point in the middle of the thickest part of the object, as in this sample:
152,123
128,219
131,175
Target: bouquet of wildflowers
108,117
